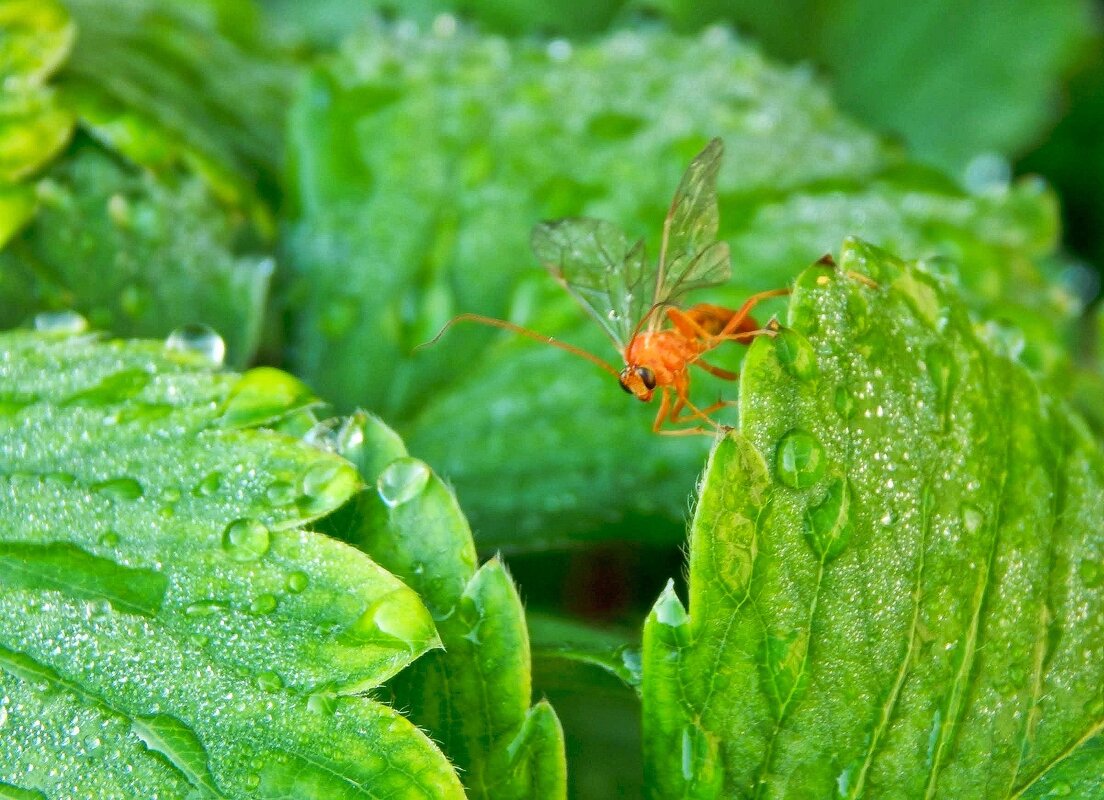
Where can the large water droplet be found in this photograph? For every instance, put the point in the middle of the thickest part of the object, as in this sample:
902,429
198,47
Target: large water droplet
326,485
60,322
800,460
263,604
322,703
396,618
205,608
198,340
208,486
828,524
270,681
402,481
845,403
297,581
795,354
246,540
119,488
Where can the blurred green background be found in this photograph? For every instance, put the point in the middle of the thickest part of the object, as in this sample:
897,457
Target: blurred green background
327,183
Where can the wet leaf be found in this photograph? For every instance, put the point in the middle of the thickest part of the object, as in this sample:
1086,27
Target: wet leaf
907,600
474,697
410,221
167,626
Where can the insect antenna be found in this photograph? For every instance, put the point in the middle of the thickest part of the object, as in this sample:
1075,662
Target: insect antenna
518,329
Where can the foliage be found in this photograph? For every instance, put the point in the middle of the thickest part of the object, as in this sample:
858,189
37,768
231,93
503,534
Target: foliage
891,588
464,142
167,624
895,581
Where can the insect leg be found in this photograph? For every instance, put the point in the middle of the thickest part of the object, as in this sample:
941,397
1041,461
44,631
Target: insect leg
723,374
664,409
742,312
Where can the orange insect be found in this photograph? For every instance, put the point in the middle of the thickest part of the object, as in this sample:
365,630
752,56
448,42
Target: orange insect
611,279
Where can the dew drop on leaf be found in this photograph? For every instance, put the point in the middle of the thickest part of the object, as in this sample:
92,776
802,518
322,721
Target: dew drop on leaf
205,608
280,493
209,485
119,488
796,354
263,604
845,403
402,481
269,681
297,581
828,524
246,540
199,340
1091,573
322,703
60,322
325,485
800,460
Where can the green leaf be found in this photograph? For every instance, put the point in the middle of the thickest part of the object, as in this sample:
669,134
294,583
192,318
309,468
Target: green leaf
134,255
557,640
911,71
166,625
400,222
38,35
895,581
474,697
163,84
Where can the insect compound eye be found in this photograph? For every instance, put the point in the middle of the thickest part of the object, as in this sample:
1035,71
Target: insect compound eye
647,376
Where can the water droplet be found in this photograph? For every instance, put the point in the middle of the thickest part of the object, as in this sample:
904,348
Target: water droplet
119,488
205,608
197,340
972,518
796,354
109,539
845,403
297,581
269,681
280,493
828,524
350,437
396,618
263,604
60,322
246,540
326,485
209,485
322,703
402,481
1060,789
251,781
699,761
858,314
1090,572
613,315
800,460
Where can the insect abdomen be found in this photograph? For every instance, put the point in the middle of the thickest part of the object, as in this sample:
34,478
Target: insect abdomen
713,319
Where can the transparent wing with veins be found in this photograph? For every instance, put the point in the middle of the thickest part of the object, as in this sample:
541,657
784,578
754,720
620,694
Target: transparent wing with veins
690,256
595,262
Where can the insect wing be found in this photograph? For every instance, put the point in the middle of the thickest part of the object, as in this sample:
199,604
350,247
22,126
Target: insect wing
690,256
594,261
